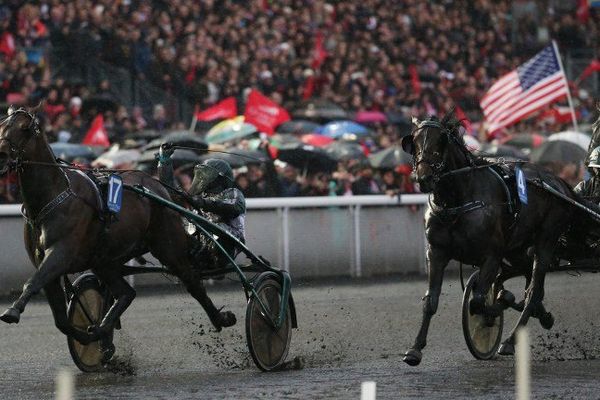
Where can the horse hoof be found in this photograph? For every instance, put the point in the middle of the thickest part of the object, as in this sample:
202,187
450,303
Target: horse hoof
506,297
547,320
506,349
412,357
11,316
228,319
108,351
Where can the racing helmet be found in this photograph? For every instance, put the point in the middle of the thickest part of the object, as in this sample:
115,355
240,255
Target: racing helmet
211,174
594,161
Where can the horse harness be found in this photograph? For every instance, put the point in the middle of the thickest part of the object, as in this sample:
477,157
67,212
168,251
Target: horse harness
451,215
17,165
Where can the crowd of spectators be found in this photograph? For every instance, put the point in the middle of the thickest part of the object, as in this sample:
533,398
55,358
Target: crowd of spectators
409,57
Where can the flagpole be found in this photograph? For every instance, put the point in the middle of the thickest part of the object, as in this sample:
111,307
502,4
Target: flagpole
194,120
569,99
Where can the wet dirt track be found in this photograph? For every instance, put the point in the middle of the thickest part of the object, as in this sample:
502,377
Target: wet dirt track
348,333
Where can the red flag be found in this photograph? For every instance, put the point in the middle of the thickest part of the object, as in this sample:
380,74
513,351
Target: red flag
97,135
319,52
414,79
7,44
309,87
583,11
224,109
462,117
557,115
264,113
594,66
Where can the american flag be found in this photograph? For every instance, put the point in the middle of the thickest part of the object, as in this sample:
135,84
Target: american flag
538,82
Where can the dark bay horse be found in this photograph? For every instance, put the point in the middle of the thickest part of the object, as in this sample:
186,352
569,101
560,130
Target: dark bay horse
475,217
64,233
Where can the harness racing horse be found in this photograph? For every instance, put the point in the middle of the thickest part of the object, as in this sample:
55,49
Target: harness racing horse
65,234
474,217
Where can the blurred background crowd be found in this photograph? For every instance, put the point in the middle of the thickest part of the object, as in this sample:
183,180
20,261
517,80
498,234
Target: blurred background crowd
350,74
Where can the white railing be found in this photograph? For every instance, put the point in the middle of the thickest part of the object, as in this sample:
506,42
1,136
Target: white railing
283,217
284,204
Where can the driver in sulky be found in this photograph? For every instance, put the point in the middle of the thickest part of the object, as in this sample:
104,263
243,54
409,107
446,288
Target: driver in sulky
590,189
214,195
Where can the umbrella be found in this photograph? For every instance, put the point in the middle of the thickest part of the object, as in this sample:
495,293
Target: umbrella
71,151
179,157
344,151
320,110
299,126
338,129
501,150
278,140
367,117
314,139
116,157
179,138
229,130
524,141
578,138
558,150
306,157
390,158
238,157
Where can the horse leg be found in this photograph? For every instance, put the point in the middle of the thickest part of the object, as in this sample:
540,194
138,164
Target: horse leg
436,262
533,296
123,294
56,299
52,267
193,284
487,274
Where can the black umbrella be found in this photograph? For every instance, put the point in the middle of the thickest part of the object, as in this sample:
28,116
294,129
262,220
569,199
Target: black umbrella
390,158
501,150
403,122
306,157
344,151
320,110
178,138
71,151
298,126
180,157
237,157
558,150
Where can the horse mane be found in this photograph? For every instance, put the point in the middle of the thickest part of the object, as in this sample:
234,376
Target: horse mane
452,126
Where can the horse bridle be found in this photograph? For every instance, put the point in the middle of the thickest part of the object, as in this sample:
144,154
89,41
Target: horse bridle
17,151
439,167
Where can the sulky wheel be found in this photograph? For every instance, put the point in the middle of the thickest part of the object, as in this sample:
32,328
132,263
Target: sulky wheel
268,346
87,307
482,334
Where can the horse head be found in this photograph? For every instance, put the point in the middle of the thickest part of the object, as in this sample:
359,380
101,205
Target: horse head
16,132
433,145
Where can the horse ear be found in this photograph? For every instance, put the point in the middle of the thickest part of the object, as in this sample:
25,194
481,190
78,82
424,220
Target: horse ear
415,121
11,110
39,107
408,144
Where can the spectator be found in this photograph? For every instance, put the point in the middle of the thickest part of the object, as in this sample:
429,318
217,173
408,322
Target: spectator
365,183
